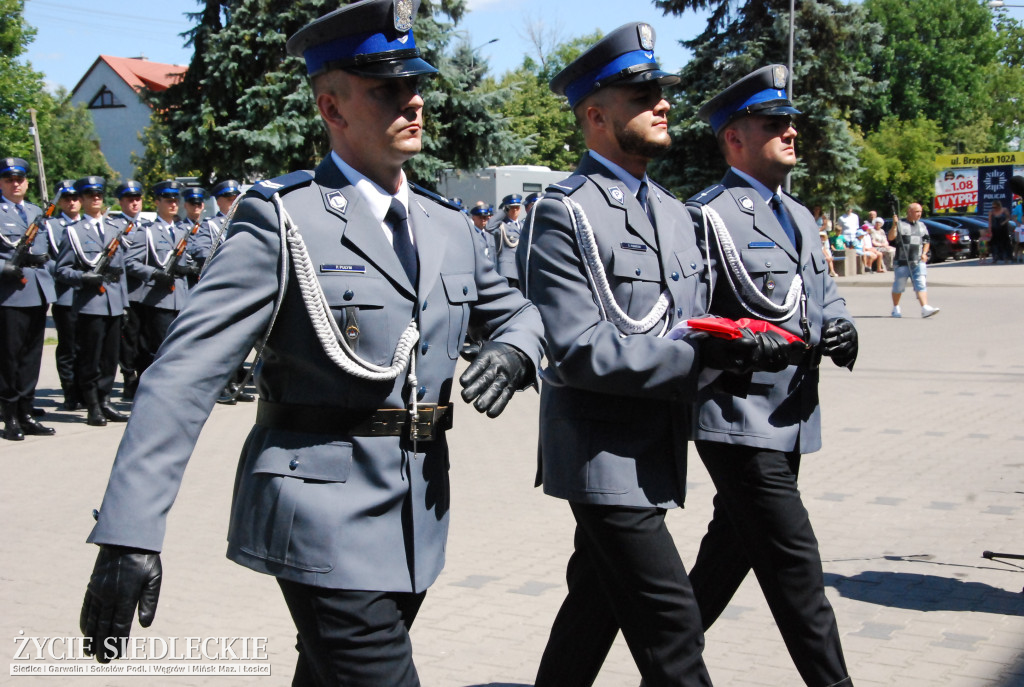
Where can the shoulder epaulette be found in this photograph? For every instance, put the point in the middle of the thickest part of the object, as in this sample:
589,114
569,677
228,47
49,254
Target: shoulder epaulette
663,189
267,188
436,197
567,186
707,194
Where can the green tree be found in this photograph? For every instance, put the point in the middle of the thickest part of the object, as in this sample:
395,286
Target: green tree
935,56
21,87
900,157
1005,84
246,108
834,46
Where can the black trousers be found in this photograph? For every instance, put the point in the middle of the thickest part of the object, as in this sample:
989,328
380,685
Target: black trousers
130,340
21,354
99,340
153,326
760,522
352,638
625,573
64,319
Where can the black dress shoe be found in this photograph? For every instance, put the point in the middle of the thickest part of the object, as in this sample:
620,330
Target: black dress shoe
30,426
95,417
112,414
243,397
12,431
71,405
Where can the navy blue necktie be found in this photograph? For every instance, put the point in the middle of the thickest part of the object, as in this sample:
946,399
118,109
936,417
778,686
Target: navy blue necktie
398,219
21,211
641,195
782,215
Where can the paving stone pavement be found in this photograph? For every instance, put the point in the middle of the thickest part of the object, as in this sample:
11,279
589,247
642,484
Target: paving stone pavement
922,471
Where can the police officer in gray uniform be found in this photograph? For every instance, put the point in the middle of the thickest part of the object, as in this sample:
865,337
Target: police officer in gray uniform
342,486
164,278
752,429
505,230
613,265
25,291
129,197
100,297
70,204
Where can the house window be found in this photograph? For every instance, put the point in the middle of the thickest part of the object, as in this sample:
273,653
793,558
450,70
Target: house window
104,99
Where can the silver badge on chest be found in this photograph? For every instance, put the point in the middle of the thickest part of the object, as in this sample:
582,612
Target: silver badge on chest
616,193
747,204
337,201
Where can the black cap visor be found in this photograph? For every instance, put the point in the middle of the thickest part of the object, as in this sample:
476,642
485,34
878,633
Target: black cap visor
396,67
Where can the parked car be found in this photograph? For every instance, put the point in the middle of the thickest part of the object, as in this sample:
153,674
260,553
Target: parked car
974,224
946,241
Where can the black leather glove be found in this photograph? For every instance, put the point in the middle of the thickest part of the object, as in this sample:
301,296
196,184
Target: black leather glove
36,259
92,279
498,372
839,341
122,580
112,277
161,278
754,352
186,270
11,272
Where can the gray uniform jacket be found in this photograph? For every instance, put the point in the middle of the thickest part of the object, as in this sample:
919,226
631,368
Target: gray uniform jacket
133,284
780,410
505,255
614,413
150,248
325,509
38,288
56,230
87,300
200,244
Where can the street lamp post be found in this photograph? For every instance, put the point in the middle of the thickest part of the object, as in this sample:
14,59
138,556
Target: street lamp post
999,4
789,87
472,51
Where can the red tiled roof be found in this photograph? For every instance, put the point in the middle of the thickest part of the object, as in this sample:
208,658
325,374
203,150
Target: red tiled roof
140,73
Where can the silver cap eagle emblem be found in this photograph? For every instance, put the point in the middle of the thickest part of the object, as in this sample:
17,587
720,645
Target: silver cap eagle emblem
403,15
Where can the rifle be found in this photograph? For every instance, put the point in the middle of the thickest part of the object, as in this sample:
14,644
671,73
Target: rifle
24,245
179,251
894,205
102,267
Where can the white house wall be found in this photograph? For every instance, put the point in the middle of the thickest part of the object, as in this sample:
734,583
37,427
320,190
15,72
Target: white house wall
118,128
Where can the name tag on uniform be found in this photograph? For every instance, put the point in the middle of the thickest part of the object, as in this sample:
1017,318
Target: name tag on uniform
347,269
761,244
634,246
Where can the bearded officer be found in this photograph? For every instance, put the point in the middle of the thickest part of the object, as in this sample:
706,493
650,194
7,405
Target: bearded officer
342,487
612,263
25,291
751,430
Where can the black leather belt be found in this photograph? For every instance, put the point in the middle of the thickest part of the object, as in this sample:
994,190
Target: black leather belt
383,422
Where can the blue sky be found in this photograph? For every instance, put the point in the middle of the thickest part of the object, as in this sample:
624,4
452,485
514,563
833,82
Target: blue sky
71,34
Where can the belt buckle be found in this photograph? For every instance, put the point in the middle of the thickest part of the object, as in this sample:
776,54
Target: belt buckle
421,427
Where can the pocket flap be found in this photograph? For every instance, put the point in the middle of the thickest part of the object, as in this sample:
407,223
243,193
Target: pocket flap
460,287
766,260
690,261
344,291
293,454
632,264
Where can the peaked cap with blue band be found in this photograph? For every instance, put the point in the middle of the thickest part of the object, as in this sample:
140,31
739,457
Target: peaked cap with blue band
193,192
65,188
761,92
227,187
370,38
624,56
167,188
130,187
91,184
14,165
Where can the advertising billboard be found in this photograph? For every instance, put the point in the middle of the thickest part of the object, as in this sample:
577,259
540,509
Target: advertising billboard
970,182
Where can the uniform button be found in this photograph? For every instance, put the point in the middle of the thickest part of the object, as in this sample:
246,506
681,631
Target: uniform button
421,392
425,347
465,290
693,265
767,263
348,295
679,312
294,463
424,306
675,276
638,271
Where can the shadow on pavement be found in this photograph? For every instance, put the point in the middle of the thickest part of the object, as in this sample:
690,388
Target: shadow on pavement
926,592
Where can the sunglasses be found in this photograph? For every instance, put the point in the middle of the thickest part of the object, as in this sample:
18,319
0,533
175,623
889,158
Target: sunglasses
16,178
92,194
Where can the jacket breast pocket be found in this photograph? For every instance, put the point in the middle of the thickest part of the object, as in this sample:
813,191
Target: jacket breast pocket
357,304
460,290
635,280
291,499
765,266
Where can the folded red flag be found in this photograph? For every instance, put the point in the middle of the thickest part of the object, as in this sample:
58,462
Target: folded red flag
724,328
